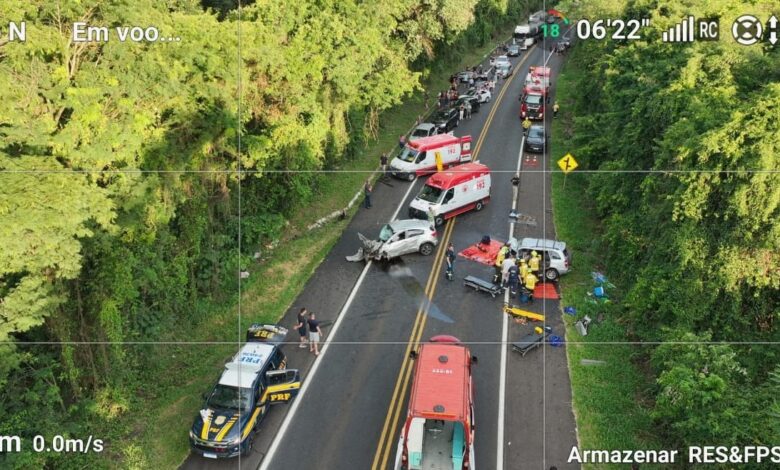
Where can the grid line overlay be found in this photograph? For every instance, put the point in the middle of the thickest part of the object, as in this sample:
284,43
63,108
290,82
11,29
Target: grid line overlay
240,173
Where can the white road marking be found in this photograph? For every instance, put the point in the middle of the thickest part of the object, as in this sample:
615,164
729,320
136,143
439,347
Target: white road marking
264,465
505,335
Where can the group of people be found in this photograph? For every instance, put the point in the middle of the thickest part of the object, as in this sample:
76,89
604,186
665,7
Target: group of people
520,276
309,331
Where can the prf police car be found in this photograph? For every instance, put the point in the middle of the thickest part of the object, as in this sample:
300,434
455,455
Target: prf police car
252,381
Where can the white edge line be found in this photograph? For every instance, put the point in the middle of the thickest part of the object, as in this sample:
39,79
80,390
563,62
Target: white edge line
266,462
505,336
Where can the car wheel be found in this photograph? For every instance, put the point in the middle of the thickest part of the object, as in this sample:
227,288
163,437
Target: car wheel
439,220
410,177
479,206
426,249
551,274
250,440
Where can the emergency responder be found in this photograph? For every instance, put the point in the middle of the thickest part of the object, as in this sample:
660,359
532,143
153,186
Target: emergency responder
526,125
500,256
513,279
533,263
530,285
523,269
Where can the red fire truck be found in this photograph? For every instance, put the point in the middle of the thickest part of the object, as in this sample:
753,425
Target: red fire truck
439,428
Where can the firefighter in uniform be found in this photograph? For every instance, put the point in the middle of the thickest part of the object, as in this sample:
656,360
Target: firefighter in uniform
533,263
530,285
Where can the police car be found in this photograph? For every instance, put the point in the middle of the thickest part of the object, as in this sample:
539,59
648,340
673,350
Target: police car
253,380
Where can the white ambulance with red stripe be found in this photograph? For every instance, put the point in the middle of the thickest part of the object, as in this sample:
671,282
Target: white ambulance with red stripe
418,157
452,192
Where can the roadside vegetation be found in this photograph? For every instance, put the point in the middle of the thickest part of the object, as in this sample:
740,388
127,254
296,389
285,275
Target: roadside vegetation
95,250
683,217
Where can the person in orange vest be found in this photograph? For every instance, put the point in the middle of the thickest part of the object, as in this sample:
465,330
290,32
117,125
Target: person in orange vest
530,285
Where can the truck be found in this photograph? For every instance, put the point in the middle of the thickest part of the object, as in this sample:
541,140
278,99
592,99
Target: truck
449,193
524,31
439,429
418,157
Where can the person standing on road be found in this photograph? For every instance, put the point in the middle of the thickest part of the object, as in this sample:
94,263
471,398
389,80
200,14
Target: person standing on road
555,109
314,334
301,327
468,109
383,164
431,217
505,266
526,125
460,112
530,285
500,257
513,278
367,189
533,263
523,269
450,261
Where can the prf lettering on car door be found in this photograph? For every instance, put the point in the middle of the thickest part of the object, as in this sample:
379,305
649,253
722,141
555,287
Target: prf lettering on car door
281,396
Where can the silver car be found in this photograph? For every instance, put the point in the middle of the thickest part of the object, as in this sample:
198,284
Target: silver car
399,237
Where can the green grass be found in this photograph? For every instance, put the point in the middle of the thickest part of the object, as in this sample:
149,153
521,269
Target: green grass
157,430
609,404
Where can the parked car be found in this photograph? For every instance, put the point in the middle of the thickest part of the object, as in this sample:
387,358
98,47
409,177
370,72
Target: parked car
462,99
527,43
485,74
513,50
425,129
483,95
502,59
445,120
397,238
536,140
504,69
555,258
466,75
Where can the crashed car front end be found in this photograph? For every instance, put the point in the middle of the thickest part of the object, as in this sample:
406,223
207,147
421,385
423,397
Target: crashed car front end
371,249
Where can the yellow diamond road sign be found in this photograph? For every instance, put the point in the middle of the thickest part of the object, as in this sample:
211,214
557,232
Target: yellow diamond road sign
567,163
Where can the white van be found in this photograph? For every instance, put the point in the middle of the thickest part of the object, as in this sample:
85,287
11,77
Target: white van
418,157
453,192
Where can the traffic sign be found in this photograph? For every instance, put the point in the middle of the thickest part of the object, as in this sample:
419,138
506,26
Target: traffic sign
567,163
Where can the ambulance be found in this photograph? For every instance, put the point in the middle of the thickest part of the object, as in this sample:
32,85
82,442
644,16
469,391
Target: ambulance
439,428
452,192
418,157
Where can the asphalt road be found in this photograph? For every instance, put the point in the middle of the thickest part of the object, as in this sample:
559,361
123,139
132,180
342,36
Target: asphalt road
340,419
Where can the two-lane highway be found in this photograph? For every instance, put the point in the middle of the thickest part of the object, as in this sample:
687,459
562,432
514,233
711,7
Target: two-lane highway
349,414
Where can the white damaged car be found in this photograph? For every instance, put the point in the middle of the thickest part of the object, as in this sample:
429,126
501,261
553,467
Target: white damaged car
399,237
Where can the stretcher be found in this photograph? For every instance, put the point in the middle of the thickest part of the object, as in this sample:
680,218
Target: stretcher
482,285
530,341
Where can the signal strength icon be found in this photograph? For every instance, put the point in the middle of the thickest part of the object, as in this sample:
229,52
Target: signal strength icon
681,32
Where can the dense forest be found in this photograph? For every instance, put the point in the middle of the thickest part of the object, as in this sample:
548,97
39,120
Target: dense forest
120,164
683,142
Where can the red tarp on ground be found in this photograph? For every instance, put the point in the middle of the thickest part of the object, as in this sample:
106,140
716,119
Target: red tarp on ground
487,257
545,290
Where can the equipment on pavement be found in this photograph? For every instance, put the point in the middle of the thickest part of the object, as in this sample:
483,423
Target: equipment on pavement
530,341
482,285
523,313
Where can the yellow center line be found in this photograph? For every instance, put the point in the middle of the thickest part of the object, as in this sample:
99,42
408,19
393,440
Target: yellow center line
405,364
391,420
414,342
